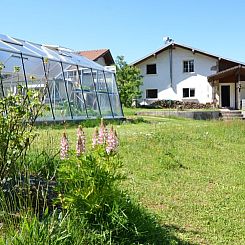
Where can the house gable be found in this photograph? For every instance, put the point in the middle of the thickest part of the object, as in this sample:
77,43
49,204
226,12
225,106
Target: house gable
171,81
225,63
101,56
184,73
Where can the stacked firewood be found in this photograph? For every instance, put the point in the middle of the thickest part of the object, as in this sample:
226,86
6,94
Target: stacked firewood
180,105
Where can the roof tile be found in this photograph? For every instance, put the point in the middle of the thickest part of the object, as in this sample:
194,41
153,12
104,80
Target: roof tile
93,54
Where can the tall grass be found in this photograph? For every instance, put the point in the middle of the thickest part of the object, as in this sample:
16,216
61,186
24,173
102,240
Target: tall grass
88,208
184,185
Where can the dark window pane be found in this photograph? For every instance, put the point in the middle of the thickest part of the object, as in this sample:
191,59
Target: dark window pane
185,66
185,92
188,66
151,69
151,93
192,92
191,66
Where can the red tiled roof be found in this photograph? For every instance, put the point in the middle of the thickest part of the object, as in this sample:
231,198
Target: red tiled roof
93,54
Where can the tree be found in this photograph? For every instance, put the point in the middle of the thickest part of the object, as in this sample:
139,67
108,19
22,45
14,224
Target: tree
129,81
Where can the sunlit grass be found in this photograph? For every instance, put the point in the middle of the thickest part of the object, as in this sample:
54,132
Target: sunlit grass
189,173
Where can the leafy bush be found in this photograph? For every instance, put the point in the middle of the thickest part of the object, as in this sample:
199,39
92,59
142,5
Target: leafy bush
91,207
129,81
87,182
17,116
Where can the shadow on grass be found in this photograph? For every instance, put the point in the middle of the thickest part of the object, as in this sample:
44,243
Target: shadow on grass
144,228
89,123
86,123
121,221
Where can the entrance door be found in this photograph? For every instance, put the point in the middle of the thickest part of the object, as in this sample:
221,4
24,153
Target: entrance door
225,95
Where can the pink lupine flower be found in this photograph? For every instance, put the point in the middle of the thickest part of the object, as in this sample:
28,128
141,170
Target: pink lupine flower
102,133
95,138
64,147
116,141
80,146
109,142
79,131
112,141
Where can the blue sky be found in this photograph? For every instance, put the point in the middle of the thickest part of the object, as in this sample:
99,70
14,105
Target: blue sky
132,28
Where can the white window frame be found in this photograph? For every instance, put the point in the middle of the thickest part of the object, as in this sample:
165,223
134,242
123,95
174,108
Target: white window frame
190,66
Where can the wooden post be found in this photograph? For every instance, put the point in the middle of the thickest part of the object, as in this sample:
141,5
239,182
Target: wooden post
239,89
213,94
214,90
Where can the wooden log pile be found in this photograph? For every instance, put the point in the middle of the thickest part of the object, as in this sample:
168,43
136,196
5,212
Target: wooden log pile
179,105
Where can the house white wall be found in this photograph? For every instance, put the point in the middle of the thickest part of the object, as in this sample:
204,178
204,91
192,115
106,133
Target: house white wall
101,61
242,89
203,65
161,80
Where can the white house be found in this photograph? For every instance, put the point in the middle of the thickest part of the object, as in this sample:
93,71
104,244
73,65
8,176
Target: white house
180,72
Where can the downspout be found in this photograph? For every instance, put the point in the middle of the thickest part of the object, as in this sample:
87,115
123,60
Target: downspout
236,92
170,52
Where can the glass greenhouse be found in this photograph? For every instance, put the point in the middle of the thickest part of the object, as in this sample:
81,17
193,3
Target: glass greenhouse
76,88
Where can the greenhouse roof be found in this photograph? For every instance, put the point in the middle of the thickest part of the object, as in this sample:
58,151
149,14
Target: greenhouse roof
52,52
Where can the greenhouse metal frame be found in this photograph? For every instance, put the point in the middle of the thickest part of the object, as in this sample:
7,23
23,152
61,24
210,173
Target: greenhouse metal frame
76,88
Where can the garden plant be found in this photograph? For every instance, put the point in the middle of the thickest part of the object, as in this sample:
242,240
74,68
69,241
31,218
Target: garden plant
69,195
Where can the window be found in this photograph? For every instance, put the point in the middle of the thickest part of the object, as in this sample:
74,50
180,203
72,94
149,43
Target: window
188,66
188,92
151,69
151,93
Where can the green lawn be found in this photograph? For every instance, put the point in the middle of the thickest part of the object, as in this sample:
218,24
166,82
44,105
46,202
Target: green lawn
190,174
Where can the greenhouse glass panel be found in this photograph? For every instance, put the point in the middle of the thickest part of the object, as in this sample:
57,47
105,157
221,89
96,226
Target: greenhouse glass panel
111,83
7,47
12,73
8,39
116,105
103,96
36,80
58,90
114,95
75,93
84,62
92,104
101,85
43,51
19,47
87,80
105,105
90,94
71,86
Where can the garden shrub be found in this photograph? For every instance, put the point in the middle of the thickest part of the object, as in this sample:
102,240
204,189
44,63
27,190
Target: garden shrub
71,200
87,181
17,116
